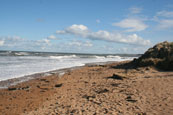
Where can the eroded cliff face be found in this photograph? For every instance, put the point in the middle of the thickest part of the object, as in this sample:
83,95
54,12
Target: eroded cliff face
160,56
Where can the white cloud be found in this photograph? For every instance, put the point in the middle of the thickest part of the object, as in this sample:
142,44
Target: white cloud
60,32
135,10
80,43
78,30
12,38
46,41
165,24
98,21
88,44
10,41
124,50
43,42
75,43
164,13
164,19
18,43
131,24
75,29
51,37
83,31
1,42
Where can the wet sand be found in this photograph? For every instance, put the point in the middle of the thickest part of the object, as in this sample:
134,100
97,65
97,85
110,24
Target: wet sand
92,90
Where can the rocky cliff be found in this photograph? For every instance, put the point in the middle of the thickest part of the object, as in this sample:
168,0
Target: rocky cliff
159,56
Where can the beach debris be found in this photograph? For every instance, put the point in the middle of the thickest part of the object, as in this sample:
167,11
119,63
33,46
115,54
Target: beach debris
43,89
38,86
85,82
143,113
24,88
147,76
73,111
105,111
12,88
88,97
45,80
102,91
18,88
129,99
116,76
96,102
115,84
58,85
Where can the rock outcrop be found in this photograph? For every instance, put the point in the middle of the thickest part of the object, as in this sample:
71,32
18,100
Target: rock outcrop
160,56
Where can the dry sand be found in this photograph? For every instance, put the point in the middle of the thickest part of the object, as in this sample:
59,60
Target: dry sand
93,90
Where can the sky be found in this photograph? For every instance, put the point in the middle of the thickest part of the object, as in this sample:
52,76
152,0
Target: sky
85,26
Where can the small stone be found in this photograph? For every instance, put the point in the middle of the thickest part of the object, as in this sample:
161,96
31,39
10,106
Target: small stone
12,88
58,85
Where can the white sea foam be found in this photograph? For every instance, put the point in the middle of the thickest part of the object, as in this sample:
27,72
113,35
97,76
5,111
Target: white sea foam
18,66
63,57
99,57
112,56
21,53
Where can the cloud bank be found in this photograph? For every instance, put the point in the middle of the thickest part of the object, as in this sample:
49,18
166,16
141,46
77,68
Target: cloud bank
165,13
165,24
16,42
164,19
131,24
51,37
83,31
135,10
1,42
80,43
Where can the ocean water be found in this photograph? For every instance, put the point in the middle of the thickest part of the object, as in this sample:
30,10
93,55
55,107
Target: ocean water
14,64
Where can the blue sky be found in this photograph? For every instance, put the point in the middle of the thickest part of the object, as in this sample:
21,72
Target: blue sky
85,26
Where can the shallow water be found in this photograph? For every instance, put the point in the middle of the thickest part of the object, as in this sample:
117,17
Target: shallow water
18,64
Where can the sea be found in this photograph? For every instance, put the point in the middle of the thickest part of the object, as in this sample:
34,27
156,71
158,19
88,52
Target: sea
15,64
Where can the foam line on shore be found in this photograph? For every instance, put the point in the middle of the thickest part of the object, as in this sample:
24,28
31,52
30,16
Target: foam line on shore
60,72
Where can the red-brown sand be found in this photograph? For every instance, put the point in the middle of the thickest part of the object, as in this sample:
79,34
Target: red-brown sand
93,90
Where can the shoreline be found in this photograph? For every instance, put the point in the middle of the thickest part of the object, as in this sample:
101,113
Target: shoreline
93,89
4,84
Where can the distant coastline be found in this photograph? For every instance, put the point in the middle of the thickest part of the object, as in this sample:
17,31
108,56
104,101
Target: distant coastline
120,54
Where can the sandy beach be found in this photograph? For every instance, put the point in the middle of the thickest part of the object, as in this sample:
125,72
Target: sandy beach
93,90
86,57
